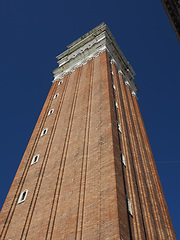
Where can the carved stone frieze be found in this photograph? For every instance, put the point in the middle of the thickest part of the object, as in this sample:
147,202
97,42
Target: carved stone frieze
90,46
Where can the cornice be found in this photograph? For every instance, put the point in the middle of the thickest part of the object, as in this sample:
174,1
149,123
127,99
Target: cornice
90,46
131,84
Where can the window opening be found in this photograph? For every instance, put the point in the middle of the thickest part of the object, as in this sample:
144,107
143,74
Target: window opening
44,132
114,86
35,159
23,196
129,205
119,127
56,95
60,82
50,112
123,159
115,103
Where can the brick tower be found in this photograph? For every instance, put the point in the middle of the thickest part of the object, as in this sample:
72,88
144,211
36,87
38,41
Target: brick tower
88,171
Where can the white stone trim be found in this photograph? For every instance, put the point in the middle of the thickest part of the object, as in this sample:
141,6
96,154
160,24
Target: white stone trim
78,64
120,72
127,83
90,46
113,61
134,94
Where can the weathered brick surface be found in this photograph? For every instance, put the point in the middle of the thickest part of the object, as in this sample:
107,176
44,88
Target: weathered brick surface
123,114
165,227
10,204
78,187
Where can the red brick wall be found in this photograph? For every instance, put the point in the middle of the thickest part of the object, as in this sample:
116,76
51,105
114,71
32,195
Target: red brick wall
72,188
151,218
78,187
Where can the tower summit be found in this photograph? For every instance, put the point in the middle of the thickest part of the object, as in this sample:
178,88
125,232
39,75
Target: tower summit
88,171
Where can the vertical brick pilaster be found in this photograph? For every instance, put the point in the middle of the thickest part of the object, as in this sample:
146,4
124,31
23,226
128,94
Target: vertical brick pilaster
127,149
139,172
165,224
10,204
152,200
124,217
80,212
120,118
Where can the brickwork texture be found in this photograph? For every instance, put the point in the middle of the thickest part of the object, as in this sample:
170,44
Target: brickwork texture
78,188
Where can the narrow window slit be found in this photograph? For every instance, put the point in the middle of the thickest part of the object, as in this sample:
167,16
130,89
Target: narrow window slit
115,103
44,132
119,127
56,95
123,159
114,86
35,159
23,196
50,112
129,206
60,82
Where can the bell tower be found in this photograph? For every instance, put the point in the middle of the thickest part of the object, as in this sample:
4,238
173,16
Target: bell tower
88,171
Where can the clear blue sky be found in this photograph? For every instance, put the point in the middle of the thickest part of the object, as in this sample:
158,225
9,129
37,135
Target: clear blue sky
33,33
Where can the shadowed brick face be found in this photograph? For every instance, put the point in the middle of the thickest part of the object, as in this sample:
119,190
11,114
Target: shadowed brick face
172,8
79,186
